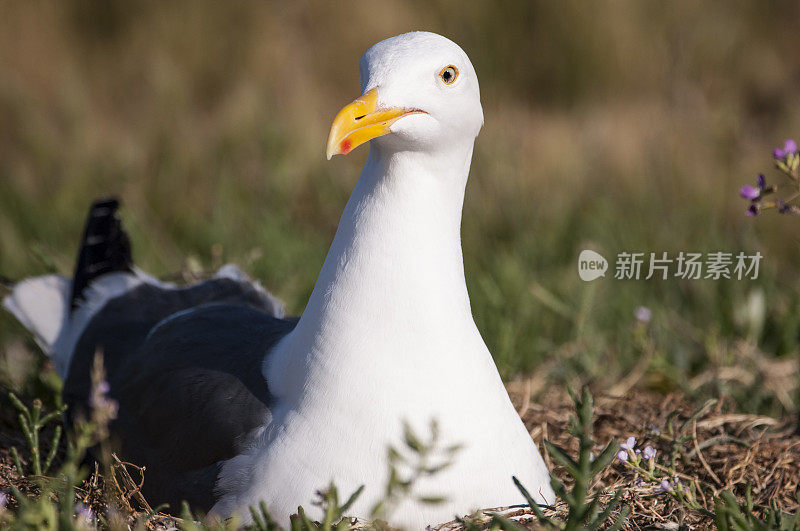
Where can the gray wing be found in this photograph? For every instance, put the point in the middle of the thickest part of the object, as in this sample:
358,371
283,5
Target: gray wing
189,384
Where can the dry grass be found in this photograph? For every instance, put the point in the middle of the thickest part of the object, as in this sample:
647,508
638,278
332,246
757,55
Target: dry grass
731,450
727,451
210,121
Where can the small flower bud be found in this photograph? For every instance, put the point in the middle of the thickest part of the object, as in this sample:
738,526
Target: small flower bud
643,314
649,452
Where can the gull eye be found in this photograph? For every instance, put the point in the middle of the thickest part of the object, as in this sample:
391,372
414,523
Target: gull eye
449,74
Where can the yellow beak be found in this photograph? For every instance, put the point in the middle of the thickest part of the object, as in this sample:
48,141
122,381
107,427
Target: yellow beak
360,122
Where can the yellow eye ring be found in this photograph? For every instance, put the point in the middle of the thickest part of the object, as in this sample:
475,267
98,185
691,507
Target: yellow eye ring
449,74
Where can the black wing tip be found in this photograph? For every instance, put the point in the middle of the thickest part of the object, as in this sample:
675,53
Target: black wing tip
101,204
105,247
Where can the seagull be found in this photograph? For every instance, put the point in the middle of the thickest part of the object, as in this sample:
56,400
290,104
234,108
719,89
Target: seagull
228,403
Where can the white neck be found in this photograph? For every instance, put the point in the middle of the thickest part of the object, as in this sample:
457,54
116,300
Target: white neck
388,336
394,269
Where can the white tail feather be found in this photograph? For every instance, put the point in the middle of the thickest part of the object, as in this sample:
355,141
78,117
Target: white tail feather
41,304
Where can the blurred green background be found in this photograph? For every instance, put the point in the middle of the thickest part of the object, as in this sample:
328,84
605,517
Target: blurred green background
617,126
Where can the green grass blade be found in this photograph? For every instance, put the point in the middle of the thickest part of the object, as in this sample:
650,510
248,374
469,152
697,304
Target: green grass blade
562,458
531,502
604,459
353,497
53,449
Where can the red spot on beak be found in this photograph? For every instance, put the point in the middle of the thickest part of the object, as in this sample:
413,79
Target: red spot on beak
346,146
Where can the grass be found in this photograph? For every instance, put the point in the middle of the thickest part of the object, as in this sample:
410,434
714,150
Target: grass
633,135
214,144
706,466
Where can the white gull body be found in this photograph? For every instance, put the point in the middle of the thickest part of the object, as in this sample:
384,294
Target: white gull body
387,337
388,334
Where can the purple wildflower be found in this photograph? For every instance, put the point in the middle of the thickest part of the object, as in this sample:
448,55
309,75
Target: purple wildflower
622,455
789,148
649,452
101,402
751,193
754,193
664,487
629,443
643,314
754,210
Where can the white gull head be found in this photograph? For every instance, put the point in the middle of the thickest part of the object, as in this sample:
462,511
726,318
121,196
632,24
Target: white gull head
428,72
421,88
388,334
